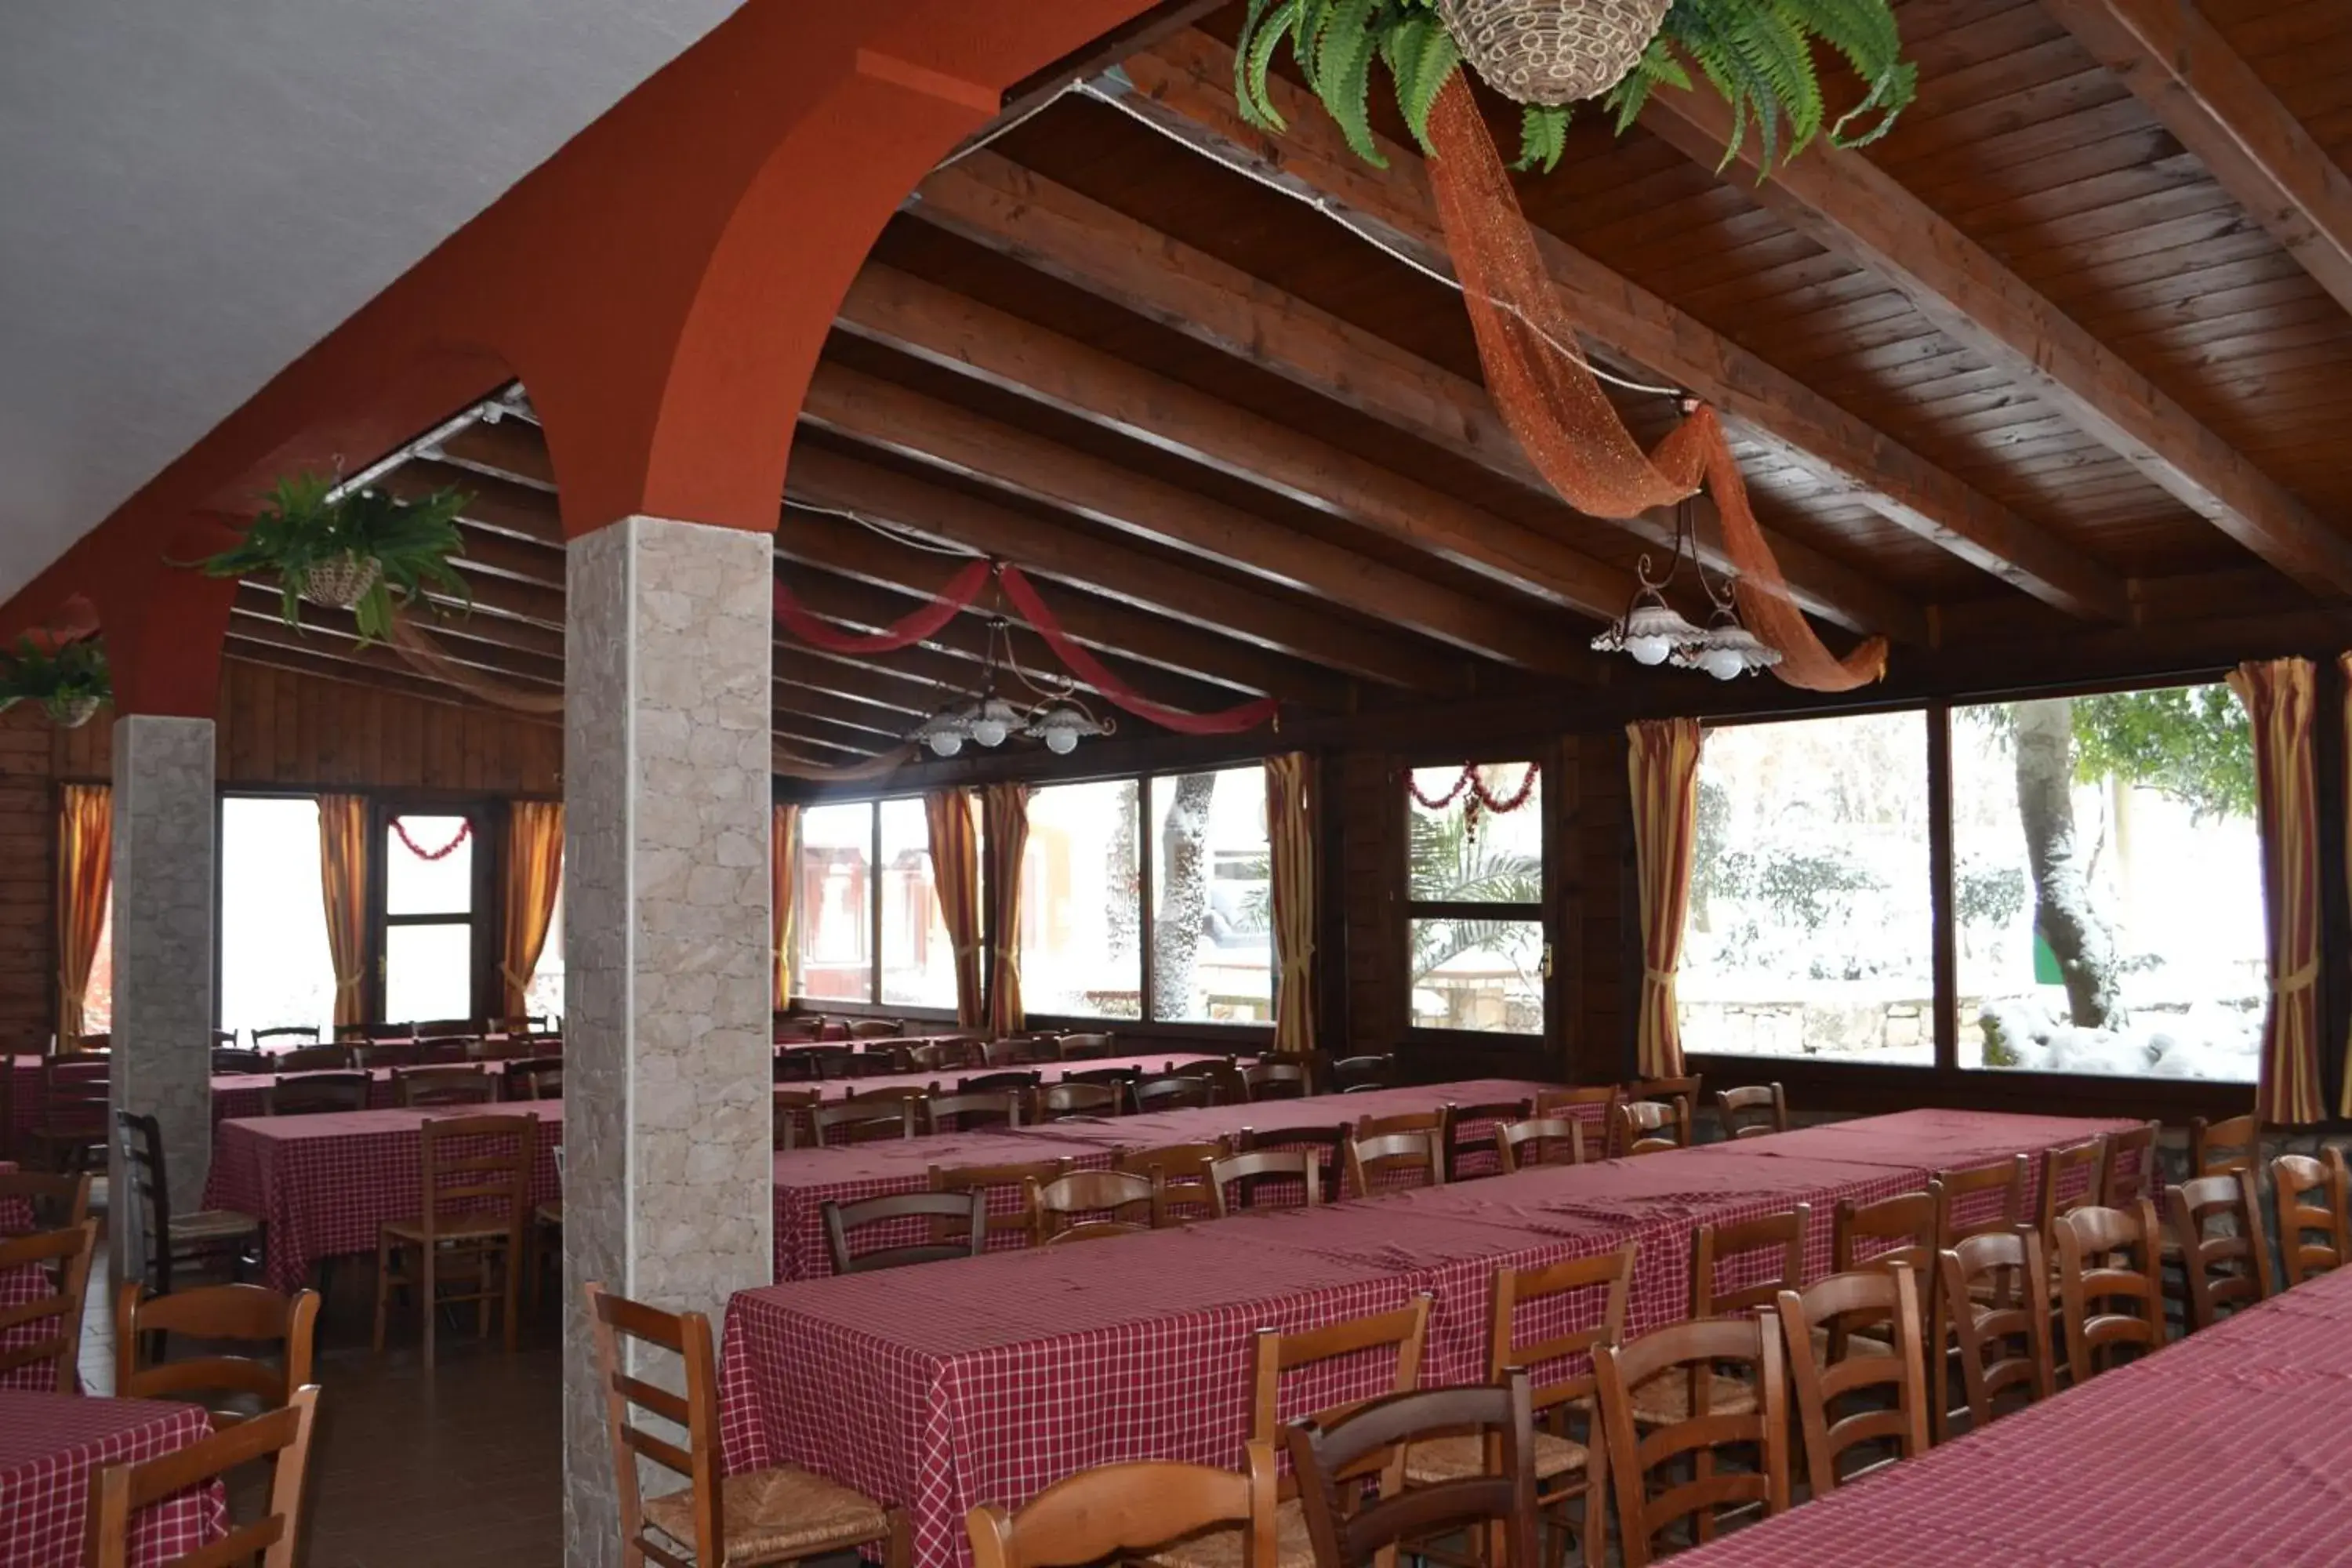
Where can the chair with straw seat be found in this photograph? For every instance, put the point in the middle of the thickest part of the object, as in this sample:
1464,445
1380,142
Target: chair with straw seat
209,1314
1374,1162
45,1200
282,1436
1647,1127
1884,1372
863,1121
1018,1176
1691,1353
471,1227
1181,1169
317,1094
1540,1141
1754,1111
1469,1129
1118,1512
170,1241
1069,1101
1493,1503
2111,1292
2219,1148
2312,1195
956,1227
963,1112
1094,1206
1247,1175
1973,1200
1778,1239
1999,1319
1276,1080
2226,1269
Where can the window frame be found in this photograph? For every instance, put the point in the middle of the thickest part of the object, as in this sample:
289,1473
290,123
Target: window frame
482,914
1548,914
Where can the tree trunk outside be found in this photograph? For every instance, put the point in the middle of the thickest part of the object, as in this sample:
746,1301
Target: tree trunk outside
1183,878
2063,914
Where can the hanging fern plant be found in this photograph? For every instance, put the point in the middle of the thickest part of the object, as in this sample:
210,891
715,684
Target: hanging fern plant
1758,54
69,680
364,551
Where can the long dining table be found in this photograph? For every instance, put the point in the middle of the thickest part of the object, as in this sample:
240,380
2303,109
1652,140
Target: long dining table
986,1378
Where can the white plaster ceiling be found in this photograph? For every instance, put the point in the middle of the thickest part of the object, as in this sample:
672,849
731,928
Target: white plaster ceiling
193,192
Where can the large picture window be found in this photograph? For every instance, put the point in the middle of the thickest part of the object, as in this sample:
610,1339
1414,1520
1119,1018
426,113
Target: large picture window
836,915
1213,899
275,968
1475,898
918,954
1081,901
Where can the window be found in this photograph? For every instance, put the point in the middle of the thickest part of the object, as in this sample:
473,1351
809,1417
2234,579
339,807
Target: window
918,954
2108,879
275,968
834,914
543,997
1475,898
1811,932
1213,899
98,990
428,918
1081,901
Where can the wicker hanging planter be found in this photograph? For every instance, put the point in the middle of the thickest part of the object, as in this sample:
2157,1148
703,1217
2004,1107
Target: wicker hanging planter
341,583
1552,51
71,712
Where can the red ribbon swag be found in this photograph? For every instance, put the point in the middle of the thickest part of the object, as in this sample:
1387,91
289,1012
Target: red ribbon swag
960,591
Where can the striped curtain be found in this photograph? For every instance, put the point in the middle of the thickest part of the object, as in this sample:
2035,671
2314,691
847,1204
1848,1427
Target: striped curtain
531,879
955,876
784,878
1291,844
2279,696
343,885
85,875
1004,813
1661,765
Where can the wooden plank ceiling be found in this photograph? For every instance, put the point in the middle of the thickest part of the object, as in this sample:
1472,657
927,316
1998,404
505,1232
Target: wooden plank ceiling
2076,337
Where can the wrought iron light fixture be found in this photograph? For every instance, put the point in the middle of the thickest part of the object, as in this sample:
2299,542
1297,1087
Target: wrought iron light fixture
1058,719
1652,632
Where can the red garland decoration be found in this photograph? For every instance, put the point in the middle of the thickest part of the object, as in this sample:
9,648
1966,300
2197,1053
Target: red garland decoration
950,600
465,831
1481,798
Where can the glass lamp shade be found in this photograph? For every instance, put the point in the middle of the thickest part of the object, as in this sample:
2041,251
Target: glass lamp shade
945,733
1652,631
1728,651
945,743
1063,725
996,719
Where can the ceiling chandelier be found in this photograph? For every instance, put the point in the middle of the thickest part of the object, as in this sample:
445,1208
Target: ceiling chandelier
1057,717
1652,632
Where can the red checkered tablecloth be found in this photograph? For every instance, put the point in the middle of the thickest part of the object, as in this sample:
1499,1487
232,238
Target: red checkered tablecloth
323,1186
52,1447
988,1379
2217,1449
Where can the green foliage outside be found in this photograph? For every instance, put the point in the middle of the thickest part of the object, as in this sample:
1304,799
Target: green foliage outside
411,542
2189,742
1448,864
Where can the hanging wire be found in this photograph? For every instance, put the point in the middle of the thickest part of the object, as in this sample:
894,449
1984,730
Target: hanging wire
1010,126
888,531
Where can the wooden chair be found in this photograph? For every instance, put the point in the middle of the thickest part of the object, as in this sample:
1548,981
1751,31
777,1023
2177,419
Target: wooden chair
1017,1079
1120,1078
1358,1075
1181,1169
1117,1512
1067,1101
434,1086
716,1520
1496,1504
1690,1353
1059,1209
984,1179
1088,1048
286,1037
167,1240
1886,1372
1470,1128
247,1314
2220,1148
826,1061
1250,1172
317,1094
534,1078
1020,1050
1779,1240
1538,1141
863,1121
2226,1270
2130,1171
1430,1121
47,1329
962,1215
1568,1470
1908,1221
389,1054
1371,1159
1171,1092
876,1028
791,1108
317,1058
1756,1111
1276,1080
282,1437
229,1059
880,1093
474,1209
1992,1283
1682,1093
73,1117
945,1055
2108,1306
2311,1196
1592,1104
1999,1187
961,1113
1648,1127
2080,1167
49,1200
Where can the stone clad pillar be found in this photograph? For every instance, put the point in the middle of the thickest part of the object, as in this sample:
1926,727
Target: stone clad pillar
667,972
164,908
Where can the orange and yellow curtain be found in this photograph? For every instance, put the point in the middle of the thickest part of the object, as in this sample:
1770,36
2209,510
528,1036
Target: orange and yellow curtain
1004,813
955,876
784,870
1291,843
85,876
1661,765
2279,696
533,876
342,884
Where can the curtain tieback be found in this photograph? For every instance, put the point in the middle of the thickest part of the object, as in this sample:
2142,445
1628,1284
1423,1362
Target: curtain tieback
1658,977
350,985
519,981
2301,980
1008,958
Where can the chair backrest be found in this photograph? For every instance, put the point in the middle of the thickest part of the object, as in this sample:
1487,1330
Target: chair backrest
953,1113
1019,1050
76,1097
865,1121
1995,1294
1682,1093
2225,1270
47,1329
828,1061
1859,1234
1351,1075
282,1436
1470,1128
2110,1292
1088,1048
1276,1080
251,1314
1497,1505
139,1139
45,1200
1753,1111
1173,1091
1089,1205
1056,1101
1540,1141
1403,1331
1775,1240
317,1094
389,1054
1973,1190
2312,1196
1018,1177
876,1028
2130,1171
1181,1170
1371,1161
1239,1181
444,1086
285,1035
1528,1290
879,1092
694,1412
1693,1350
791,1108
1402,1122
1889,1387
1022,1079
962,1215
1649,1126
2074,1177
534,1078
1120,1512
472,1163
316,1058
2218,1148
229,1059
945,1055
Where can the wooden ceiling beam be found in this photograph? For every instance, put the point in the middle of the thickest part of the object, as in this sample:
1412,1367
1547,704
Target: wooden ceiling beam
794,717
826,478
849,712
513,449
1186,85
963,335
462,636
896,418
523,512
2213,100
897,692
1841,200
320,667
322,641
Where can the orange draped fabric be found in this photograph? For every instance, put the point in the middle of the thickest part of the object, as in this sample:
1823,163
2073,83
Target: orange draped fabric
534,877
1556,409
784,877
342,884
85,877
2280,696
1661,765
1004,812
955,876
1291,842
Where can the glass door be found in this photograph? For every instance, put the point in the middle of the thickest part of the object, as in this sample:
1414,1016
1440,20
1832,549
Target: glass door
429,894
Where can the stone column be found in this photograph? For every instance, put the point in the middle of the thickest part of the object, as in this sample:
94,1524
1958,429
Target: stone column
164,904
667,974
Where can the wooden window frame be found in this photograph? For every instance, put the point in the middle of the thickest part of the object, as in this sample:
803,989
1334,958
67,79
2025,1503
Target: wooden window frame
1552,1039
